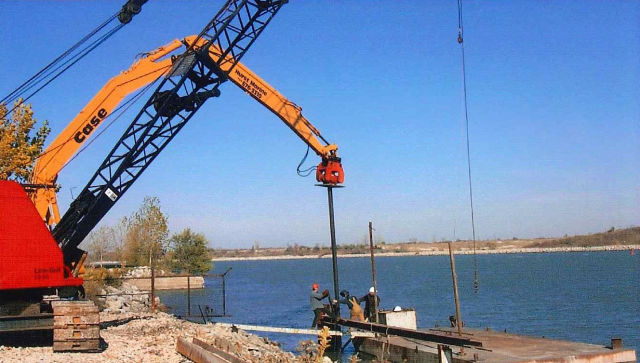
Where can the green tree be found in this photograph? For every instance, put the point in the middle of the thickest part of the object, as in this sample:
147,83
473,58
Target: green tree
190,252
18,149
147,232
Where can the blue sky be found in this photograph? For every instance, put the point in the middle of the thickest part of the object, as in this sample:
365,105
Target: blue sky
553,100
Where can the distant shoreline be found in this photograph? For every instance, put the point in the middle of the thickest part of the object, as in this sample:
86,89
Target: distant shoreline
440,253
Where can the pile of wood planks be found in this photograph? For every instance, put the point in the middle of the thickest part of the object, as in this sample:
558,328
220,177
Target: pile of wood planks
199,351
76,326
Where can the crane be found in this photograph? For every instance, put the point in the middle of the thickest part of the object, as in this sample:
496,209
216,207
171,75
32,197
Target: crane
144,71
194,78
40,267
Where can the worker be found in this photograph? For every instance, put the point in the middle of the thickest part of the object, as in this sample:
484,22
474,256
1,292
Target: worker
355,311
316,304
370,305
454,321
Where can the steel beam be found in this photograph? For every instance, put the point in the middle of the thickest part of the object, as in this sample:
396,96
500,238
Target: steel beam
408,333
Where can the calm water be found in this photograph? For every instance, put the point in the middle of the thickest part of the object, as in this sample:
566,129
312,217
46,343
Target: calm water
585,297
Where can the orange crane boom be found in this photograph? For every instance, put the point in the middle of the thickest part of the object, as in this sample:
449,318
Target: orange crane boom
329,171
39,266
144,71
45,173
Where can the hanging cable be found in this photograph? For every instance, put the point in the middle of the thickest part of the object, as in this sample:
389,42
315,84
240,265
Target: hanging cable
458,183
126,105
46,71
26,85
476,283
306,172
73,61
130,9
132,99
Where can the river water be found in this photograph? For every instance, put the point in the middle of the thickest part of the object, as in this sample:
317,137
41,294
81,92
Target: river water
587,297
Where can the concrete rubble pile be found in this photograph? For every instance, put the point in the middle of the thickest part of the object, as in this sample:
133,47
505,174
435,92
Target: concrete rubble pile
131,333
248,347
143,271
152,338
125,299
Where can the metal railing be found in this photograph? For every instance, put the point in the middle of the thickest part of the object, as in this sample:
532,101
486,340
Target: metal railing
220,304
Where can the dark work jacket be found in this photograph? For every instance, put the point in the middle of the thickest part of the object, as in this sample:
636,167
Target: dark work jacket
369,305
347,301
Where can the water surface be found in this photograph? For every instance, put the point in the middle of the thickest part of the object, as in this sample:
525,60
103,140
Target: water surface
588,297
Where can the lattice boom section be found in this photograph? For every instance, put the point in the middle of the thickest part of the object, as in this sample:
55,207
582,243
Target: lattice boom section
236,26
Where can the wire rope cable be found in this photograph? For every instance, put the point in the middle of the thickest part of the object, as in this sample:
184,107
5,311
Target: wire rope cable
126,105
27,84
62,63
476,283
81,55
135,97
72,62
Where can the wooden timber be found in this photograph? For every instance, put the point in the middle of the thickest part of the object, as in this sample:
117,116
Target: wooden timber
200,352
76,326
225,354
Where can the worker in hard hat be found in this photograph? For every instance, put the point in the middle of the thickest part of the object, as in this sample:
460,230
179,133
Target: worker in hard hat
371,305
317,306
355,311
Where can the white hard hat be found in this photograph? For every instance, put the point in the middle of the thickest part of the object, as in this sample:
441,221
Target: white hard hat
372,289
397,308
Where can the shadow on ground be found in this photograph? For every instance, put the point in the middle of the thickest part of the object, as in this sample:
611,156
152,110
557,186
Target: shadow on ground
38,338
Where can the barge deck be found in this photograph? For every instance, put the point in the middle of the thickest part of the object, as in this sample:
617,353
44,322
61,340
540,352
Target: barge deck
497,347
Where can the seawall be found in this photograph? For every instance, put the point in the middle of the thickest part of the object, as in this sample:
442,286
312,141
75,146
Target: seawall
168,283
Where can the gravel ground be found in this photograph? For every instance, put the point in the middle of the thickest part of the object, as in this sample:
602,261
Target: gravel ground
150,338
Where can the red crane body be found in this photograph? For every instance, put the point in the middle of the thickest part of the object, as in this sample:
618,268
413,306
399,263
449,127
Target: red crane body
23,231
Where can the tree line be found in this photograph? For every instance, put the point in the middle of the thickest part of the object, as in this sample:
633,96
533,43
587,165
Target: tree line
142,239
